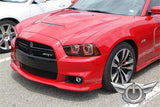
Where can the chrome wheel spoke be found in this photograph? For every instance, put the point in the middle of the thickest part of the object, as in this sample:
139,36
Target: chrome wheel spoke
129,62
122,78
128,67
126,54
1,36
2,29
114,64
1,42
126,76
114,76
8,29
116,59
12,35
6,45
117,78
123,55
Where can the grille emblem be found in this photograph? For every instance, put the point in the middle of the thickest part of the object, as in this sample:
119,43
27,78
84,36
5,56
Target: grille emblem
30,48
31,44
47,54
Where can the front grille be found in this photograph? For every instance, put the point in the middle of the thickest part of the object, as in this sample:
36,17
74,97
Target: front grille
38,72
35,49
36,58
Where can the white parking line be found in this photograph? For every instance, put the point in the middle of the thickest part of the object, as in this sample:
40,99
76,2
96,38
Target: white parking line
5,59
149,97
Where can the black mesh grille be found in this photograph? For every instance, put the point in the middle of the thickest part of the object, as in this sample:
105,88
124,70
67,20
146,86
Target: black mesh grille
35,49
38,72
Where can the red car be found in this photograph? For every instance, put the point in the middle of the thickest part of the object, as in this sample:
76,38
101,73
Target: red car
88,45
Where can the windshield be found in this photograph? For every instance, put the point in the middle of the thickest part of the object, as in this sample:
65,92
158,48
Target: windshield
122,7
14,1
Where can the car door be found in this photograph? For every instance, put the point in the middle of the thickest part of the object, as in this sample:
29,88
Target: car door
156,32
47,5
147,33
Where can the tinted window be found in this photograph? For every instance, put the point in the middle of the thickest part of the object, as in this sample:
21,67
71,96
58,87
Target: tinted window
153,3
122,7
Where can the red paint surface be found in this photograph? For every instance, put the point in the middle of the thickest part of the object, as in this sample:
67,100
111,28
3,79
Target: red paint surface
105,31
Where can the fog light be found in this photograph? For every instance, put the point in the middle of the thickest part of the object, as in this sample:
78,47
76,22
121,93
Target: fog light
73,79
79,80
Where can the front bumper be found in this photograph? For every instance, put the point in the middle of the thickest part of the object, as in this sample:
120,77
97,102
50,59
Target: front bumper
89,68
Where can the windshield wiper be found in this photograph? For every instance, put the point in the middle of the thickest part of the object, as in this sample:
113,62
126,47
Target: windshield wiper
98,11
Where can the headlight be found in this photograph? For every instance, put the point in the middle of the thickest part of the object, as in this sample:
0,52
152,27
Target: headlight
82,50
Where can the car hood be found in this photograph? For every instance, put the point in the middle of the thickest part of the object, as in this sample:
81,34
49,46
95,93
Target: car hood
72,26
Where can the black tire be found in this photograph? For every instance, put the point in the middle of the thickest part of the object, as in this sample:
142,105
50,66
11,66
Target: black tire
11,34
106,80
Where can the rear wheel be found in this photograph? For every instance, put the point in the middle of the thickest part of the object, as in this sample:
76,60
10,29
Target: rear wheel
120,66
6,34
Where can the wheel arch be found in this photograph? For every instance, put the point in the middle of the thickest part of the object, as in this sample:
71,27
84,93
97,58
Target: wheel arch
134,46
12,19
130,41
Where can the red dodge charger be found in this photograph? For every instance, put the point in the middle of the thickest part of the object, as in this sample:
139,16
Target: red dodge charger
88,45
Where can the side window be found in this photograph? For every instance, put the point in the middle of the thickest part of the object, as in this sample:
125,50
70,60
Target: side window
152,4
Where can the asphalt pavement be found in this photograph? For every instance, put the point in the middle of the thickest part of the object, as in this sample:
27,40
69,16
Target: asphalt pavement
16,91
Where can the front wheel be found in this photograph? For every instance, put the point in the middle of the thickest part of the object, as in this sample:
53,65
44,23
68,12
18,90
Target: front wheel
119,66
6,35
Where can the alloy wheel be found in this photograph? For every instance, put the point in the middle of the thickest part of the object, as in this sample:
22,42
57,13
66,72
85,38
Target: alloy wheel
122,66
6,35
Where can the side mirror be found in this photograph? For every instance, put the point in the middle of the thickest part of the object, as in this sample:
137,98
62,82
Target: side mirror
155,10
74,1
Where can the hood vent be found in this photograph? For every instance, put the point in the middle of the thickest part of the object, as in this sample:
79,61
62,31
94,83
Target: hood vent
53,24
